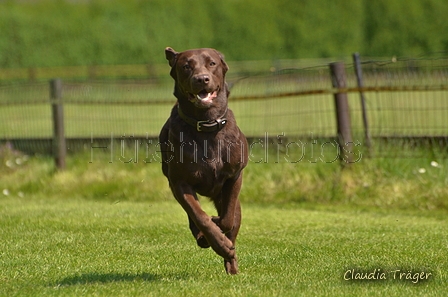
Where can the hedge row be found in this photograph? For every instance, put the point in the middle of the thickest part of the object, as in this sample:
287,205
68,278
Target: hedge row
65,33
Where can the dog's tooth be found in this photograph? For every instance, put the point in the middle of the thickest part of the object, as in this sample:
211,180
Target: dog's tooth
205,98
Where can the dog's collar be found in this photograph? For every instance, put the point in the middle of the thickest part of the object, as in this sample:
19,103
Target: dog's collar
204,126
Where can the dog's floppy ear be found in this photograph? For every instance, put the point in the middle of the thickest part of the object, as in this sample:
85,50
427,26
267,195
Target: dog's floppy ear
171,56
224,64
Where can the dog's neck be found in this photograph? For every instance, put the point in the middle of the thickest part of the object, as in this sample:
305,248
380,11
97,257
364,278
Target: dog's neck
215,111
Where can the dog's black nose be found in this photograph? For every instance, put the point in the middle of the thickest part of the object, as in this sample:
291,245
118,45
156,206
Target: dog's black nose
203,79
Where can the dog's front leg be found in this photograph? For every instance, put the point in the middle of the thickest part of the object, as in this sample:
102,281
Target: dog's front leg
186,197
228,205
229,219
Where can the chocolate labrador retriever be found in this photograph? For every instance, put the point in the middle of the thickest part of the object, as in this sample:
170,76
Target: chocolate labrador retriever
203,150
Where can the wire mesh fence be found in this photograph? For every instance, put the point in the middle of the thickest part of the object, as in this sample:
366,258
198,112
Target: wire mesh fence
405,99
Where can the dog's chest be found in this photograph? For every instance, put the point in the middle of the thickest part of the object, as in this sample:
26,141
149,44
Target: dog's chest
207,163
210,155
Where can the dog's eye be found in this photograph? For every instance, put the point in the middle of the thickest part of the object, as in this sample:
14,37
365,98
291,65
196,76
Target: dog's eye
187,67
212,63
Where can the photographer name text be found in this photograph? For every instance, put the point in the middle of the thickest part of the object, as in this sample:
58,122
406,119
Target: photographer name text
414,277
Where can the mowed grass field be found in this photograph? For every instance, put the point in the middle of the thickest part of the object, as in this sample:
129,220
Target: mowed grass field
309,229
71,247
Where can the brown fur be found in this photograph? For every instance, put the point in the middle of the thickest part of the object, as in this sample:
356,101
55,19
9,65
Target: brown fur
209,163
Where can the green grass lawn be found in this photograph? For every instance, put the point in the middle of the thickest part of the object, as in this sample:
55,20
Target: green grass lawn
73,247
113,229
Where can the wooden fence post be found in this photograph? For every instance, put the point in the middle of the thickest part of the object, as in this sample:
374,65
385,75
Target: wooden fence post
338,78
358,72
59,146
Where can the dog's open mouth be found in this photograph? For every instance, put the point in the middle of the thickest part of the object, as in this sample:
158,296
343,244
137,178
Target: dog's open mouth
203,96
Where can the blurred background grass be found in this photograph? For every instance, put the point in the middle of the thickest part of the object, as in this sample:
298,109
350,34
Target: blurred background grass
46,33
272,177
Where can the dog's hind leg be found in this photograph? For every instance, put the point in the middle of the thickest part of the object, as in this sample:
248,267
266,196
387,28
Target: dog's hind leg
198,235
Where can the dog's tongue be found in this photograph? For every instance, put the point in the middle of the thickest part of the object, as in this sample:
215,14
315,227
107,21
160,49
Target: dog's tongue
204,96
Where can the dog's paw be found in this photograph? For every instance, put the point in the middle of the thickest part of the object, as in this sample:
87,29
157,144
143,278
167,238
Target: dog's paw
202,241
231,266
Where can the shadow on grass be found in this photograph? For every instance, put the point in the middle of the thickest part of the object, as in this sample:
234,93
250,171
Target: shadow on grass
104,278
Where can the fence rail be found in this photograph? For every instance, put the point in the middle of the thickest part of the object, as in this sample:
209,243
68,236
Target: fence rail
402,99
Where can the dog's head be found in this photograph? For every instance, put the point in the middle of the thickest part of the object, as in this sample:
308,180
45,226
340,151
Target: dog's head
199,75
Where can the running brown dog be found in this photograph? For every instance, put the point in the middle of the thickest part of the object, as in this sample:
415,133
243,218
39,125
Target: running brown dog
203,150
